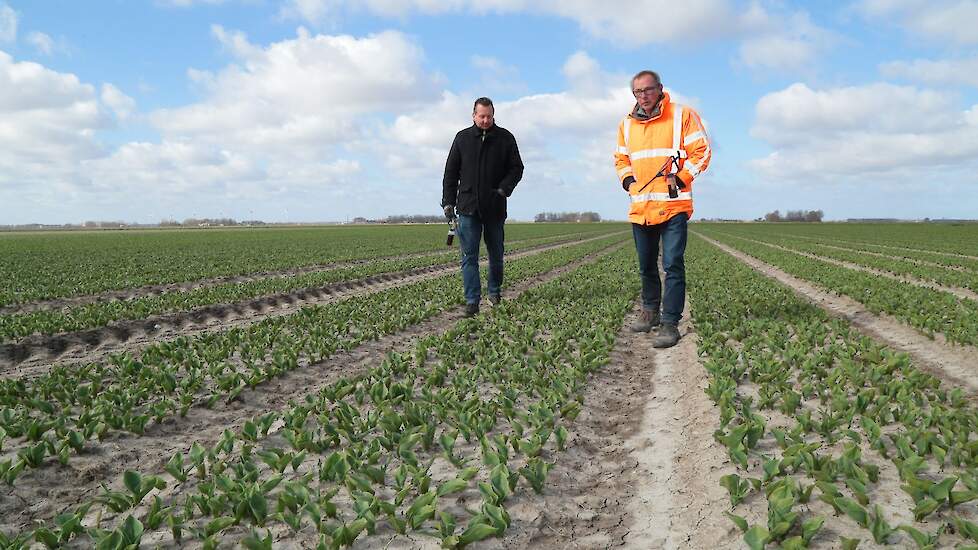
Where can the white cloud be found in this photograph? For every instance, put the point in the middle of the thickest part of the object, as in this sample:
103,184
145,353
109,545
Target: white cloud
122,105
42,42
935,72
8,23
940,20
48,122
187,3
496,77
782,41
772,39
300,96
862,131
624,22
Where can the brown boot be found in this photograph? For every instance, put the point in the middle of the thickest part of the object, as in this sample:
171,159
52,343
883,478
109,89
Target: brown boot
646,320
667,337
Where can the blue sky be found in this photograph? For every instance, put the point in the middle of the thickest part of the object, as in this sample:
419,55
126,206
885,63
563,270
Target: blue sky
325,110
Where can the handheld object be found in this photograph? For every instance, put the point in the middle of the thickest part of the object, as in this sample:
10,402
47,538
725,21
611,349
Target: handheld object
452,226
673,192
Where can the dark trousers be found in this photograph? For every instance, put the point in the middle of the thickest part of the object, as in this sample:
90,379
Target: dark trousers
673,236
471,229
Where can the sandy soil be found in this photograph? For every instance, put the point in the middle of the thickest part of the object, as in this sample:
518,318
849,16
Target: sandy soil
641,470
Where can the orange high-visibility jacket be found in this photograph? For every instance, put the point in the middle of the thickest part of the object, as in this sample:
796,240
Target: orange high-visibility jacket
645,145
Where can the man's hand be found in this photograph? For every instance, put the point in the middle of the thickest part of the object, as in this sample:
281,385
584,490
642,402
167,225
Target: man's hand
450,211
626,184
500,192
674,181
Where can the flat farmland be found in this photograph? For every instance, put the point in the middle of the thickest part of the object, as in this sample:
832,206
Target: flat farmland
318,387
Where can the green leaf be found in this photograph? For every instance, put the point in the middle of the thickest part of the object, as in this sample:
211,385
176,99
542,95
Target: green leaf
853,510
258,507
756,537
811,527
941,491
452,486
217,525
849,544
132,531
960,497
918,537
739,521
476,533
924,508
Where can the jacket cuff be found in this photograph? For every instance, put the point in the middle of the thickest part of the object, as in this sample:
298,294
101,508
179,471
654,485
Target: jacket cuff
627,182
685,176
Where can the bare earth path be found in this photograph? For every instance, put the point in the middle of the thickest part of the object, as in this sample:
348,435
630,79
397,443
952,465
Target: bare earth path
642,470
955,363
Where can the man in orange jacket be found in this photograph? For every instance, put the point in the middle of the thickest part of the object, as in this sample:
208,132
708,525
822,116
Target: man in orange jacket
662,148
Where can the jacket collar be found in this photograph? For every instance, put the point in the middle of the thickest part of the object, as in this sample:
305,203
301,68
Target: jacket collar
640,115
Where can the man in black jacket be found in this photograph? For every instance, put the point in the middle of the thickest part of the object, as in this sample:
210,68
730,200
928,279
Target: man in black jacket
482,170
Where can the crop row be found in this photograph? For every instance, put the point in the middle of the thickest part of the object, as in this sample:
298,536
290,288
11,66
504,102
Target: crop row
61,412
952,261
434,441
948,238
897,266
37,266
99,314
928,310
836,438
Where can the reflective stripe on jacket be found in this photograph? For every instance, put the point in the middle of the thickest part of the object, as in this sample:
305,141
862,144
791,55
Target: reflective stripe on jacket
644,146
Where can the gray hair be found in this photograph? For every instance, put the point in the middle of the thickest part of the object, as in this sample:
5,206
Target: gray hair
640,74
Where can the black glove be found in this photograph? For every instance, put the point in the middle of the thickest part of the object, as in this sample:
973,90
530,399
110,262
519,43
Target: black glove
627,182
500,192
450,211
674,181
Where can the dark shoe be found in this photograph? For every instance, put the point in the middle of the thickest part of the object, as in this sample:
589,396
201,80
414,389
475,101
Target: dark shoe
494,299
667,337
471,310
646,320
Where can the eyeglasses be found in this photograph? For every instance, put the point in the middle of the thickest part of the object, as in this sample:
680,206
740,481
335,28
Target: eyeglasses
645,91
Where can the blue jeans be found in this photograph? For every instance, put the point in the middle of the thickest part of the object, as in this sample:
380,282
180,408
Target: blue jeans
673,235
470,232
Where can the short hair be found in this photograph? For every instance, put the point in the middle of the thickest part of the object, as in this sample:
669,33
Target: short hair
646,72
485,102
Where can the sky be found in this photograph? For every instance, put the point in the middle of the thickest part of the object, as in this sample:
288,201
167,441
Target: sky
327,110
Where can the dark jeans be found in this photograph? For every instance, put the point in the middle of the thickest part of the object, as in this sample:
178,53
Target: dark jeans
470,231
673,235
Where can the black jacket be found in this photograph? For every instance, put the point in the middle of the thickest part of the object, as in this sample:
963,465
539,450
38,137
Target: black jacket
476,167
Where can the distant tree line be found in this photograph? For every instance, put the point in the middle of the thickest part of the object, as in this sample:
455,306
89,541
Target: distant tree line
208,222
794,216
544,217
